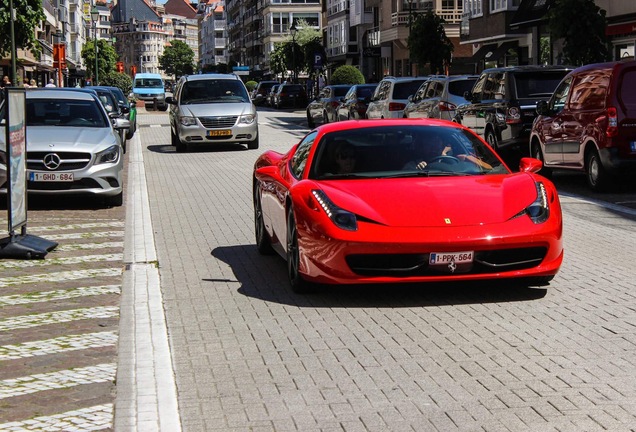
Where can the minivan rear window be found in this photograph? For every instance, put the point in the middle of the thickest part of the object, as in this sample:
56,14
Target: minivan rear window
537,84
627,94
590,91
403,90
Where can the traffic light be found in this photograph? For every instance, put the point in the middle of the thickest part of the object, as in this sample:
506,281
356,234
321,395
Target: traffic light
120,66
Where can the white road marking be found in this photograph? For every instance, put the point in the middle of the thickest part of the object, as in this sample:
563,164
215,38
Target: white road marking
60,276
83,235
58,345
98,417
44,296
35,320
61,261
88,246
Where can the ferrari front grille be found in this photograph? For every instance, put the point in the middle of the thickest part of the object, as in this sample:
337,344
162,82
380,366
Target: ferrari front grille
411,265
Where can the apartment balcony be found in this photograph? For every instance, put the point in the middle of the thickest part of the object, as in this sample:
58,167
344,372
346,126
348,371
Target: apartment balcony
220,42
402,18
219,59
220,25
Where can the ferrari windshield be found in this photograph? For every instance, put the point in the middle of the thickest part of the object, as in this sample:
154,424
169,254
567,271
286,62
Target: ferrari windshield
402,151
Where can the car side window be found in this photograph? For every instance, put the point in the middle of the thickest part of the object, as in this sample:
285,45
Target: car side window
479,87
590,91
299,160
560,96
351,94
494,87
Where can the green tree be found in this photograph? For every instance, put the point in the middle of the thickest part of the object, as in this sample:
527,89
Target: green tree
428,43
106,57
347,74
118,79
308,44
177,59
29,15
278,60
584,39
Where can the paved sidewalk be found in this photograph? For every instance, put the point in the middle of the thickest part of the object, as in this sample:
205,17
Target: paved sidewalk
146,394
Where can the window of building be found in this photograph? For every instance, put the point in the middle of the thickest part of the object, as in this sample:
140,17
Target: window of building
473,7
503,5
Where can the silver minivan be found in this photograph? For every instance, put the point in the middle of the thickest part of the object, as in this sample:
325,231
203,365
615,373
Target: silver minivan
212,108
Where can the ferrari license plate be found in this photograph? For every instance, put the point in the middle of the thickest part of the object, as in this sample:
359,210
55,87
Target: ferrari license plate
441,258
50,177
224,132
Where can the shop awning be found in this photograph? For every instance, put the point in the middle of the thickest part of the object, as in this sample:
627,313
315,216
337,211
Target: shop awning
531,13
500,51
482,52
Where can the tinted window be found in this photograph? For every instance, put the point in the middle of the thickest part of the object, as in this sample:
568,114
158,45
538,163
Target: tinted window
590,91
213,91
299,160
459,87
364,92
535,84
557,103
627,95
387,151
148,83
402,90
494,86
340,91
63,112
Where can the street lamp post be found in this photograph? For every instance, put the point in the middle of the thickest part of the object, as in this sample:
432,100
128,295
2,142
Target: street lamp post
95,18
293,30
14,78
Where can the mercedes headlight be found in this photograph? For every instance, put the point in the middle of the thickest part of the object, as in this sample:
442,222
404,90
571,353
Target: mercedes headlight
110,155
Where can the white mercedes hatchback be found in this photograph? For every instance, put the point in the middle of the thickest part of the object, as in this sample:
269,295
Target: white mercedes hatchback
73,147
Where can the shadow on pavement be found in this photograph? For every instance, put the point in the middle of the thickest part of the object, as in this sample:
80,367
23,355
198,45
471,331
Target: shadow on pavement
55,202
265,278
199,148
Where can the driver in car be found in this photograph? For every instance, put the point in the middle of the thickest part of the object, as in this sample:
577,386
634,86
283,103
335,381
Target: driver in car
436,150
426,152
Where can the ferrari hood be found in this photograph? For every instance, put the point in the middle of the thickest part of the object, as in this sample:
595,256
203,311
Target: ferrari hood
77,139
435,201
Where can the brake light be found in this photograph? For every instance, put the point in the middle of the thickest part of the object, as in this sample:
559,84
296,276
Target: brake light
612,122
395,106
446,106
513,115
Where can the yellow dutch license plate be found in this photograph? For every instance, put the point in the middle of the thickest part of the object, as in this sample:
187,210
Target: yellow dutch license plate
223,132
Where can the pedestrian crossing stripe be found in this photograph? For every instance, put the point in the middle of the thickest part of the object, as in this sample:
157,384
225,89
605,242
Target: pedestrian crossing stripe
92,225
84,235
64,276
36,320
95,418
45,296
57,345
57,380
60,261
88,246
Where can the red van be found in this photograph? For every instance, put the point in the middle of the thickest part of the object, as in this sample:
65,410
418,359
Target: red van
589,124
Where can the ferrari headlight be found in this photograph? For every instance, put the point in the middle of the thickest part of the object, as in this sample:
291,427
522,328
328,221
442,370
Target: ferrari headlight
539,210
342,218
187,121
110,155
247,119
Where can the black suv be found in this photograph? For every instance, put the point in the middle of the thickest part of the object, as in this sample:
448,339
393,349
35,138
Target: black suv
502,104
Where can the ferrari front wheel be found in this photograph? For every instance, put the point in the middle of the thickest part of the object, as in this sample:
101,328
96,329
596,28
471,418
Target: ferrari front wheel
263,242
298,284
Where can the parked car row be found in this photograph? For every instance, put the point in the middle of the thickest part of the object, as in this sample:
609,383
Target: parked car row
74,143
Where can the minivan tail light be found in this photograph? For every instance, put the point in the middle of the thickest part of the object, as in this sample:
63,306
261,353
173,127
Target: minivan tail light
395,106
446,106
612,122
513,115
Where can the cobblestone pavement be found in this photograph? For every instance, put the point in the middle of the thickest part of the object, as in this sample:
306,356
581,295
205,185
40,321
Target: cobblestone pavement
249,354
59,319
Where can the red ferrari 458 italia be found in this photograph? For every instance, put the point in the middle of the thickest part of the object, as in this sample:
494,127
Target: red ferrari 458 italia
404,200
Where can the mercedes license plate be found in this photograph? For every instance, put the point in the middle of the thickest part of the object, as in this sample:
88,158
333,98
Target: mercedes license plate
50,177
